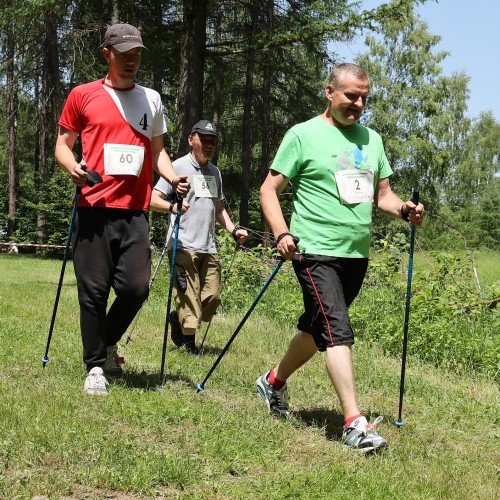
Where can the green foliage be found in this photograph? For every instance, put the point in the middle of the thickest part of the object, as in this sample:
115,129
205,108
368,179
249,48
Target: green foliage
451,322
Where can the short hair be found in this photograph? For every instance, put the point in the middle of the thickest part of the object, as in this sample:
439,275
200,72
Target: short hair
341,70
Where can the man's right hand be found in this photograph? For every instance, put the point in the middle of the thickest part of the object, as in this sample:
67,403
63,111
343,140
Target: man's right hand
78,174
181,185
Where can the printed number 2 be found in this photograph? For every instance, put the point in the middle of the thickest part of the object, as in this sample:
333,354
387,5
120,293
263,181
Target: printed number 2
357,184
144,122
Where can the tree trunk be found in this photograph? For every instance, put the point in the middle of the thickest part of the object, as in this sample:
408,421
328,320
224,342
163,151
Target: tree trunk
11,133
49,112
266,116
193,41
246,140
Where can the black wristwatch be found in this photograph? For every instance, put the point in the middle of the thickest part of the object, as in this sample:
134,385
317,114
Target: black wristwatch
233,232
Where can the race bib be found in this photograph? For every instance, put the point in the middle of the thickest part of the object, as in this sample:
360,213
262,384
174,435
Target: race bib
355,186
205,186
122,159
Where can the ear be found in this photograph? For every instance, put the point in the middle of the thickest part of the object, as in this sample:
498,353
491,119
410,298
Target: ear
329,92
107,53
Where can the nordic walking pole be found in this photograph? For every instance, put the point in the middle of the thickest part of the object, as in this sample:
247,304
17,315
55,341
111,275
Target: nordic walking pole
153,278
93,178
399,422
236,248
201,387
171,285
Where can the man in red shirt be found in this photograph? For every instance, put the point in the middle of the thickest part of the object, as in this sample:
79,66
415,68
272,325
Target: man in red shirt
121,125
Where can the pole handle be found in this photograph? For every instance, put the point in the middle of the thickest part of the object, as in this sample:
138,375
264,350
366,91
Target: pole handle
415,196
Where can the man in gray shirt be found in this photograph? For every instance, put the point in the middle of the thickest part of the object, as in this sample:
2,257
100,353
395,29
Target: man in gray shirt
197,287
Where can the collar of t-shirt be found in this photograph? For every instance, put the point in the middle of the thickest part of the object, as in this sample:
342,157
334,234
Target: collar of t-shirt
197,165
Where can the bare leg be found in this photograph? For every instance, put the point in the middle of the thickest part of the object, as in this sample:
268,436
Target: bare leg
341,372
301,349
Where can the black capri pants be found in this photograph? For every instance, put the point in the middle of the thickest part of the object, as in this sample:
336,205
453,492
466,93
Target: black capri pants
329,286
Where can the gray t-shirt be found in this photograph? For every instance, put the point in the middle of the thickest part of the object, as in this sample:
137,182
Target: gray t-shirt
197,225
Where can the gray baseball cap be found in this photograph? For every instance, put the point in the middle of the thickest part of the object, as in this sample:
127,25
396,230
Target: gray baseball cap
123,37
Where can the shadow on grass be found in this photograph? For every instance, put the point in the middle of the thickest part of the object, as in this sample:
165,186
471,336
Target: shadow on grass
152,382
210,349
329,420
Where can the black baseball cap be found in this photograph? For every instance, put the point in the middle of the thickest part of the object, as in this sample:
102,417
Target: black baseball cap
205,127
123,37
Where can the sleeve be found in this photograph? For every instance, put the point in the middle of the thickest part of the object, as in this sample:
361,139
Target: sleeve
384,168
163,186
288,157
71,115
221,192
159,121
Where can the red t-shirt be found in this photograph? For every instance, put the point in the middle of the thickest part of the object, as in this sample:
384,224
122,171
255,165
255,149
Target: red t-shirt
104,115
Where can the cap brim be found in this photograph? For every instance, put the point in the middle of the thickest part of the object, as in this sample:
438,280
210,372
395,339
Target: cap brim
204,132
123,47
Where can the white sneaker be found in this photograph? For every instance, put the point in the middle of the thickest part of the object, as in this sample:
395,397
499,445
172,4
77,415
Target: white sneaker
96,383
112,368
362,436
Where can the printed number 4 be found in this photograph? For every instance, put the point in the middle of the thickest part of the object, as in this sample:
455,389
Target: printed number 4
144,122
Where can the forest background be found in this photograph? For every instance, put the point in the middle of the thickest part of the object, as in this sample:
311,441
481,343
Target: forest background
255,68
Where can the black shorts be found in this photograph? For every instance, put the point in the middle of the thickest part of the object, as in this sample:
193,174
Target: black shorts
329,286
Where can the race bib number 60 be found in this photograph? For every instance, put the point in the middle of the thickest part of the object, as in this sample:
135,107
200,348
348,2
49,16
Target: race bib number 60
123,159
355,186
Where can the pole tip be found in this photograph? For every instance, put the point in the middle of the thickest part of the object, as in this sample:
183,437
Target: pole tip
399,423
45,360
200,388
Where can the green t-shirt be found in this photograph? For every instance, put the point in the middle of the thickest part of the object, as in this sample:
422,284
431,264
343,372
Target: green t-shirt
310,155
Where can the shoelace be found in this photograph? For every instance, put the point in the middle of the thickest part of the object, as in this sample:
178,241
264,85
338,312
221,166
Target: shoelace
101,380
280,397
370,428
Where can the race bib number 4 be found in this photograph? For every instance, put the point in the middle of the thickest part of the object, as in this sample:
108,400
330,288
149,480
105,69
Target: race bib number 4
355,186
205,186
122,159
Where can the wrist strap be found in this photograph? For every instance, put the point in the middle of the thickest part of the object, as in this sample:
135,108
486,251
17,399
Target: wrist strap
404,215
281,236
233,232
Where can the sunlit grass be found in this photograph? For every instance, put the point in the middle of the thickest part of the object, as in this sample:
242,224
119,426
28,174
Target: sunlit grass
141,442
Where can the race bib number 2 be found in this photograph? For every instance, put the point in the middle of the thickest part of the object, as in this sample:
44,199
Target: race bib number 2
355,186
123,159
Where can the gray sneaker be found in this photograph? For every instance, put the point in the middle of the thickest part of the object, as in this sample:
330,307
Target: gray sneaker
362,436
96,383
112,368
276,400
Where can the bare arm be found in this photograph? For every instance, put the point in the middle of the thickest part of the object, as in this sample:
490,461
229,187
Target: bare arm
390,204
269,192
65,157
163,165
160,204
240,235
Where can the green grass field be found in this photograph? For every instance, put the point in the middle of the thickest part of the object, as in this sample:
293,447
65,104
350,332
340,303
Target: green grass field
141,442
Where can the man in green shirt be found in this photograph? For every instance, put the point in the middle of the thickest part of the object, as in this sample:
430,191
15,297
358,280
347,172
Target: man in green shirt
337,169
